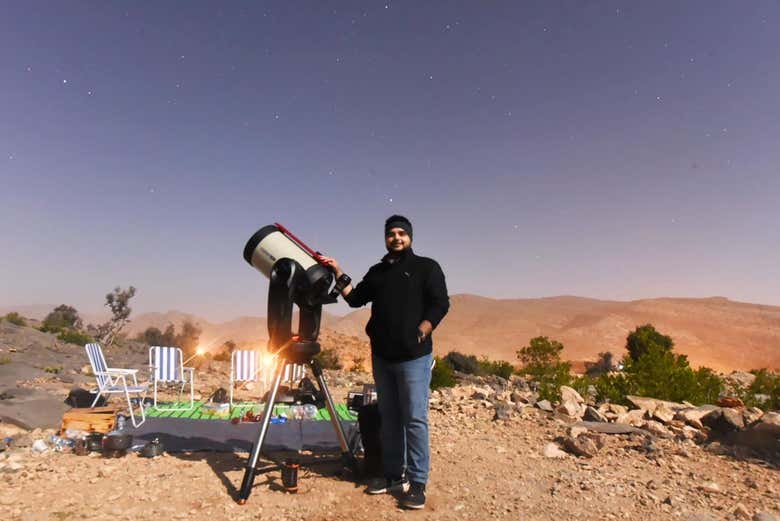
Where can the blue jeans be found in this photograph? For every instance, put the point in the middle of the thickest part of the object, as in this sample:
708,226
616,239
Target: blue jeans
402,391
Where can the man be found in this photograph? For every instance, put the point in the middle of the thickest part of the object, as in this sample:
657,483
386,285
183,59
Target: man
408,298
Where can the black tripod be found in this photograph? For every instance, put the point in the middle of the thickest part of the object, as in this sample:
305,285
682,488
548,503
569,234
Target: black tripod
285,289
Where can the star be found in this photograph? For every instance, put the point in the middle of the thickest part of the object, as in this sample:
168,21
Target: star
276,116
29,69
391,199
64,81
658,98
89,93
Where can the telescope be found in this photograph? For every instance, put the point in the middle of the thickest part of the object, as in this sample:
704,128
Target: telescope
295,277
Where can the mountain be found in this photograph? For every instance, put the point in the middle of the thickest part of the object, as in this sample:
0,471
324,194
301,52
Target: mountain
715,332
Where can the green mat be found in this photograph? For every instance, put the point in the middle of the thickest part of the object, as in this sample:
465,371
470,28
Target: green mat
239,410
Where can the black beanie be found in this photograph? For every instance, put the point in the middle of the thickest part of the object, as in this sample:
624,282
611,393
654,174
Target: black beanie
398,221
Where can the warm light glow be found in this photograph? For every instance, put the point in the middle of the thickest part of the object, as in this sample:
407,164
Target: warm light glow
268,359
200,351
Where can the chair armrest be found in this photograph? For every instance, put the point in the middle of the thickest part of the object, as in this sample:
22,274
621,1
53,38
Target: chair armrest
121,371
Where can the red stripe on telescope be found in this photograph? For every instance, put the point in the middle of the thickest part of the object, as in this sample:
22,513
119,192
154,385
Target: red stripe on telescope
300,243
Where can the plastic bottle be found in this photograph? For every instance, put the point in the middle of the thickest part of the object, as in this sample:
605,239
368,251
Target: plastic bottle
310,411
120,423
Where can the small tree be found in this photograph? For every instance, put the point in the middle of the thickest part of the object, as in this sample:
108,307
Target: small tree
643,338
119,303
604,364
542,361
442,375
16,319
462,363
61,318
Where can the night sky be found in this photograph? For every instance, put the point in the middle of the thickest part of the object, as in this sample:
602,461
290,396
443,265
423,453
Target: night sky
616,150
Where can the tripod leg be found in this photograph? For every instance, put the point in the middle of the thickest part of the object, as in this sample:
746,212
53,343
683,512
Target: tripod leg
249,473
334,417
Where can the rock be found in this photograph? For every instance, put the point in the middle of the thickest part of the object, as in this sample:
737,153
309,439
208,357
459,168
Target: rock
656,428
585,445
663,413
765,516
650,404
740,379
769,422
503,411
593,415
609,428
572,404
569,394
521,397
751,415
741,512
22,440
729,401
634,418
86,370
551,450
692,416
701,517
734,418
710,487
545,405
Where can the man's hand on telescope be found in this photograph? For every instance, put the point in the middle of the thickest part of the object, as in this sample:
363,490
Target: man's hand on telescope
331,263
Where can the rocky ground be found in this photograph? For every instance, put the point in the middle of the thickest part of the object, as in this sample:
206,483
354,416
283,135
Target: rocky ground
497,452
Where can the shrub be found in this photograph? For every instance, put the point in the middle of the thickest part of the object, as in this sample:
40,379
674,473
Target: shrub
15,318
500,368
329,359
442,374
61,318
463,363
53,370
542,361
5,360
74,337
643,338
764,392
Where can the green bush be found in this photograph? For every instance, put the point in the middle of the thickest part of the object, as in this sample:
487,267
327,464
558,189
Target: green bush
500,368
15,318
463,363
74,337
442,374
542,362
329,359
61,318
643,338
764,392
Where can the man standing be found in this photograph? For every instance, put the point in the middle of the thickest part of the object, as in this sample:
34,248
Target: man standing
408,298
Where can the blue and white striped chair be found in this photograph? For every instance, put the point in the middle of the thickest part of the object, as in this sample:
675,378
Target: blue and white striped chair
252,366
247,366
111,380
167,368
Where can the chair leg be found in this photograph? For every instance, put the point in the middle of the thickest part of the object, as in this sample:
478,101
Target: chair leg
97,397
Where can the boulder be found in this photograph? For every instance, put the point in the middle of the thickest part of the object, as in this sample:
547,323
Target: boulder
734,418
545,405
585,445
593,415
650,404
692,416
769,423
751,415
635,417
740,379
729,401
572,404
657,429
569,394
663,413
503,411
551,450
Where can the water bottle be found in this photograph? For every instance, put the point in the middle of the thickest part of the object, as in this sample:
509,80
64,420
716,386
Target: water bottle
310,411
120,423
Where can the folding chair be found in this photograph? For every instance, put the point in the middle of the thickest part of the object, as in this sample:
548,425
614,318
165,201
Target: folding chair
245,366
167,368
114,381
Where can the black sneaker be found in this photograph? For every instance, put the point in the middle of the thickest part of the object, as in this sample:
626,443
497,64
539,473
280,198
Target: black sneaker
387,486
415,497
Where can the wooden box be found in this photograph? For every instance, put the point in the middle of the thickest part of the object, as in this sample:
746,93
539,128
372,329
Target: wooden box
98,419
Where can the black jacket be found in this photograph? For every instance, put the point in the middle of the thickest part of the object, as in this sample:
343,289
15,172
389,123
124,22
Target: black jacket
402,294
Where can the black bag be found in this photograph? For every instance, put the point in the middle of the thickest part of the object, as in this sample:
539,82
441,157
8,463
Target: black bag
220,396
79,398
369,423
